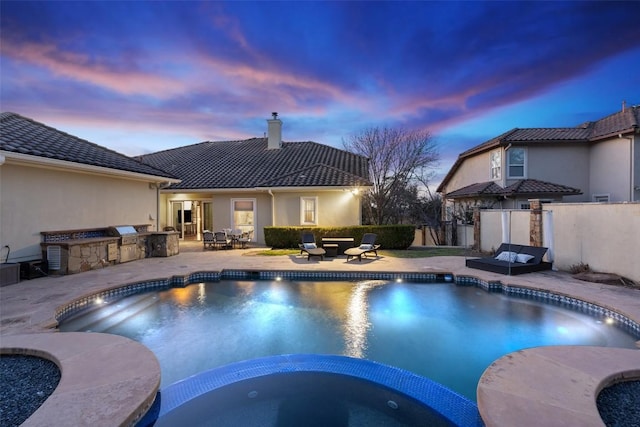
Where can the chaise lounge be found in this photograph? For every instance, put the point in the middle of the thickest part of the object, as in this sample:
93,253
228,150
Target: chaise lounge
309,246
512,259
367,245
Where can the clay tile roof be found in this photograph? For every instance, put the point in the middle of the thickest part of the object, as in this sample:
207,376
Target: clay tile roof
620,122
534,186
26,136
548,134
479,189
249,164
523,187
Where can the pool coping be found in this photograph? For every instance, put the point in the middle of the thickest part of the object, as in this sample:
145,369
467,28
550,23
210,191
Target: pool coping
529,387
105,379
44,296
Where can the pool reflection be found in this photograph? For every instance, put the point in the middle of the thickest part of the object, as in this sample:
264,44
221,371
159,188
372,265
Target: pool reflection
445,332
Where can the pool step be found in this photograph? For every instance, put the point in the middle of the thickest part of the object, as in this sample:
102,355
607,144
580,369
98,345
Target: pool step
109,314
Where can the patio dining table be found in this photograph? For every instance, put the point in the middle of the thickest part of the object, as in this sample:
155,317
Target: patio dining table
238,238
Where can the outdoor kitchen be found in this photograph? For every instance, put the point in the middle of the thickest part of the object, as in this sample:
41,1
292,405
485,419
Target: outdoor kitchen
74,251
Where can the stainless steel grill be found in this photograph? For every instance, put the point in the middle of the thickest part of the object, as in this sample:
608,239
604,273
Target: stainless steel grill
128,245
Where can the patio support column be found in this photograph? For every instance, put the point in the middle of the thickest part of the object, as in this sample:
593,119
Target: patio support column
476,229
535,223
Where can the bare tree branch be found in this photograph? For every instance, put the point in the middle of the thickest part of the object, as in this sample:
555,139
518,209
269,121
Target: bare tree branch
398,160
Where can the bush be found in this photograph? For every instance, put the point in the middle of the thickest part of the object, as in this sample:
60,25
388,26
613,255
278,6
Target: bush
579,268
389,236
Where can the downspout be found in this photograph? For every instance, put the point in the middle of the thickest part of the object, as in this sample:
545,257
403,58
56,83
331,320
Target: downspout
158,207
273,208
631,186
632,167
631,170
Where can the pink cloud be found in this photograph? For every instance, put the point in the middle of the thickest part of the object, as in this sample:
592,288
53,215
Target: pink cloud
81,67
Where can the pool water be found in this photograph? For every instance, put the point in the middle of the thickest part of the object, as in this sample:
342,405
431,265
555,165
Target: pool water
442,331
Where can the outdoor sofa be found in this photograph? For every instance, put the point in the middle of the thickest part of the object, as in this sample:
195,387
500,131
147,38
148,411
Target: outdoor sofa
512,259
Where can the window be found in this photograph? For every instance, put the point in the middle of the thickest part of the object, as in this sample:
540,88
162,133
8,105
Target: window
601,198
496,163
243,211
515,160
309,210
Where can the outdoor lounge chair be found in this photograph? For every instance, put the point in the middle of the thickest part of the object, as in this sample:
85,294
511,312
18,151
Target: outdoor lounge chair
208,239
309,246
512,259
367,245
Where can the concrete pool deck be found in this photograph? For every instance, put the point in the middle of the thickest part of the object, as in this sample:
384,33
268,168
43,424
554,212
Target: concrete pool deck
29,307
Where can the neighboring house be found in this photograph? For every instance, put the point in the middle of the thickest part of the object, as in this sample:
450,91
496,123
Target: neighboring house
596,161
50,180
258,182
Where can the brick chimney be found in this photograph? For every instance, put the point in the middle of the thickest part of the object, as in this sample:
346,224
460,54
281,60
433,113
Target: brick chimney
275,132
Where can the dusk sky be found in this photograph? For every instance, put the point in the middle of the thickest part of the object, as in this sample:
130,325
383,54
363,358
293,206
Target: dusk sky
141,76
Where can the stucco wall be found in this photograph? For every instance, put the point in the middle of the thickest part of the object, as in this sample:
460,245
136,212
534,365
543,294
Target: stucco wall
35,199
606,236
335,208
474,169
611,169
561,164
491,225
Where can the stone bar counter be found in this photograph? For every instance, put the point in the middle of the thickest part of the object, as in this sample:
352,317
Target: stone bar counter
74,251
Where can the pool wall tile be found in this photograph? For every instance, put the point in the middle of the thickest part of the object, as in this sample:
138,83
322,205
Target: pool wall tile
83,303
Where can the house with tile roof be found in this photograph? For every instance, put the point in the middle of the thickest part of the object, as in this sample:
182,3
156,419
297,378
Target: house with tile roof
593,162
257,182
50,180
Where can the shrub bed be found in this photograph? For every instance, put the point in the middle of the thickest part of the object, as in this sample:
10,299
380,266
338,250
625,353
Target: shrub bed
389,236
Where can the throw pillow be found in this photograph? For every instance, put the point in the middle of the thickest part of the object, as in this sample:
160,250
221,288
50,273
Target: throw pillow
524,258
366,247
309,245
507,256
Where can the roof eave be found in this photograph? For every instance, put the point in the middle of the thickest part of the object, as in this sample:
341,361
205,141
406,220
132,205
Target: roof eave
46,163
314,188
629,131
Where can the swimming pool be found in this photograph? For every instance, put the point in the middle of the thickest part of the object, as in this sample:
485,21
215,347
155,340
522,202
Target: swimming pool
442,331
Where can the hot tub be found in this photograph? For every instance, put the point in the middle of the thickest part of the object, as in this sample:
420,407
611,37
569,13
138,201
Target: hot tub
312,390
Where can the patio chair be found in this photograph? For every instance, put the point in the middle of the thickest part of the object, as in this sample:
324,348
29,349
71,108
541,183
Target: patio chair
222,240
208,239
309,246
245,239
367,245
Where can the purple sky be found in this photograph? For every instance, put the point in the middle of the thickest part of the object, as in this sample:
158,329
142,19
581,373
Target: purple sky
140,76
